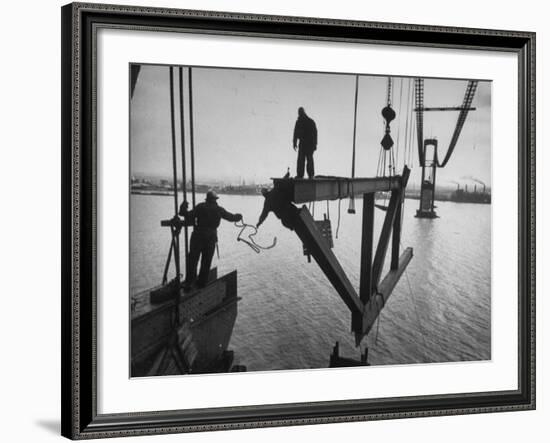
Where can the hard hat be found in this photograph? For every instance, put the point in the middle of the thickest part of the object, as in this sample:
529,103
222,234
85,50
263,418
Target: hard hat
211,195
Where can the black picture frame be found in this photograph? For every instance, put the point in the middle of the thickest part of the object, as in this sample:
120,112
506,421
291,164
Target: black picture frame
79,174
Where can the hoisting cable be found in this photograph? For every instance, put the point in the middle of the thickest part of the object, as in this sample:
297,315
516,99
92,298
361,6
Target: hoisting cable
378,168
191,137
386,154
406,153
251,242
412,138
354,128
387,142
351,209
183,161
399,125
175,234
412,128
392,161
338,224
175,229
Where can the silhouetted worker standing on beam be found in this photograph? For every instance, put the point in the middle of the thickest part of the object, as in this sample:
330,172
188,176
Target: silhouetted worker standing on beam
205,218
305,139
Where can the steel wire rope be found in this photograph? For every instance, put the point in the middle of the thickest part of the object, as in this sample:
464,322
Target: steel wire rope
407,119
399,120
251,242
339,210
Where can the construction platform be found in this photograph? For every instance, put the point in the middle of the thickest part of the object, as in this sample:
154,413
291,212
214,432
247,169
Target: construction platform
206,315
322,188
365,305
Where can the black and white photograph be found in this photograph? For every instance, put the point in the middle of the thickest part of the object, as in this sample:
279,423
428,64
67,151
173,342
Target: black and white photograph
284,220
275,221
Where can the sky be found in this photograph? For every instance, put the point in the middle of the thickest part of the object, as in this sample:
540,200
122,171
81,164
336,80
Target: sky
244,121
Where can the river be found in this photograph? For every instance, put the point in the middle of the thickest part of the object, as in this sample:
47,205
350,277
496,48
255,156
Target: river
290,316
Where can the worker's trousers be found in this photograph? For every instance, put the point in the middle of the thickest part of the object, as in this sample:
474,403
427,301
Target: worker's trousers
303,157
202,245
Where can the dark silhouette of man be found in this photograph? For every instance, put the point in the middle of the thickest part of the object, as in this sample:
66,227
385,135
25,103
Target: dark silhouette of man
205,219
277,202
305,140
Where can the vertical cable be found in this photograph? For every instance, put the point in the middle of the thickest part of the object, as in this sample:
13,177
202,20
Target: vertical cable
399,124
191,136
183,159
354,126
175,238
351,209
173,127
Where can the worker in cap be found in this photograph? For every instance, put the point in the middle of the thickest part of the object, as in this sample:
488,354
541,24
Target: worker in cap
205,219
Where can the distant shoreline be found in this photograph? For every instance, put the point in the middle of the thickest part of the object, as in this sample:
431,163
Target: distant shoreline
441,198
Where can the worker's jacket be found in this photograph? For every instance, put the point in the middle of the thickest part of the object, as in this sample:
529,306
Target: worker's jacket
305,131
278,203
206,217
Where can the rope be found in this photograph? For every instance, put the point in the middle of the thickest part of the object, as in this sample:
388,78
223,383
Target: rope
251,242
354,126
406,154
338,224
183,160
392,161
389,92
378,171
173,133
411,125
399,125
175,245
191,137
413,136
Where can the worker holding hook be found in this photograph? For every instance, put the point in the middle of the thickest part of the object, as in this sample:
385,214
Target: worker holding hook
205,219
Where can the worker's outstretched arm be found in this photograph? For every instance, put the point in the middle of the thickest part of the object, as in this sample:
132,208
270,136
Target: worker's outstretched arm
230,217
263,215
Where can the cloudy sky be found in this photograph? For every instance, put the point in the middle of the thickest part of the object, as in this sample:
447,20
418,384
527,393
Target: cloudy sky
244,120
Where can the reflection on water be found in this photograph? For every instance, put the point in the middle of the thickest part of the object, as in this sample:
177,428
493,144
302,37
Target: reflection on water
290,316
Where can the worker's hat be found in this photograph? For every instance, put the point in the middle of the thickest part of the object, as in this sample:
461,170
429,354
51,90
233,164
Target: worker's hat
211,195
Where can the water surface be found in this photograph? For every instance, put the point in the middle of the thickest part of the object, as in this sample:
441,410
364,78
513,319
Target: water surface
290,316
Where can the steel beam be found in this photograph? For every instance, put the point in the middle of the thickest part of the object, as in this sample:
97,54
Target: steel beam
384,239
373,308
332,188
365,282
318,247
